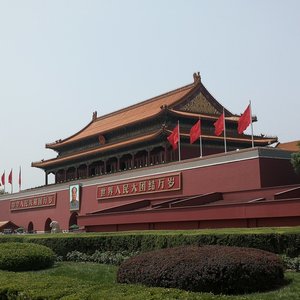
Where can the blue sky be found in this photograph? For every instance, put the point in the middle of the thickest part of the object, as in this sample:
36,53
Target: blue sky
61,60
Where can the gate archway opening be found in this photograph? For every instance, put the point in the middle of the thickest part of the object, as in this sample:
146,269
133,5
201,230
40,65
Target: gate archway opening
30,227
47,228
73,219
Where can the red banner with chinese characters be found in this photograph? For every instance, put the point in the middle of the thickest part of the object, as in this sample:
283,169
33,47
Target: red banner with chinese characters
33,202
146,185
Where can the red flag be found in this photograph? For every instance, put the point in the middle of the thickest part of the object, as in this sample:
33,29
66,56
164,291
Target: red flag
3,178
20,179
195,132
10,177
219,125
173,138
244,120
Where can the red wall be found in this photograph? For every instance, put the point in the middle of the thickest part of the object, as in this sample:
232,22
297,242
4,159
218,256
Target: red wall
272,213
60,212
222,178
241,175
277,172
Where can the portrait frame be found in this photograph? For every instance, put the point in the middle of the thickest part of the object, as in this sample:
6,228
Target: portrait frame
74,197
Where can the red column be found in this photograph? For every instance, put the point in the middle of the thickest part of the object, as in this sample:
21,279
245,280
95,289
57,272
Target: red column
166,152
46,178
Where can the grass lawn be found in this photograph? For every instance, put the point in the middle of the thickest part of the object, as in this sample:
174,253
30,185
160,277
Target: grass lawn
94,281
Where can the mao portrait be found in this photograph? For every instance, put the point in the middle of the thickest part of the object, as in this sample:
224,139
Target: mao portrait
74,196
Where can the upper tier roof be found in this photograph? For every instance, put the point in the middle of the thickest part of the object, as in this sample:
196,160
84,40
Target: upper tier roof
131,114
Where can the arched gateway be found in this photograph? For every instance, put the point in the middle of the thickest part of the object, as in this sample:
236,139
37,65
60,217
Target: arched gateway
30,227
47,225
73,219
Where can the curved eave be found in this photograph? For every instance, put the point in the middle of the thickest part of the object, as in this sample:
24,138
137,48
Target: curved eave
233,118
59,143
54,161
197,116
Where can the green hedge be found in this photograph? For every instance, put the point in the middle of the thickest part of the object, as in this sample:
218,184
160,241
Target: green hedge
276,242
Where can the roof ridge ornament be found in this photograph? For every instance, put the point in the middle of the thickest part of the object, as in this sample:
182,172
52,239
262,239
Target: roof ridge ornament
94,117
164,106
197,77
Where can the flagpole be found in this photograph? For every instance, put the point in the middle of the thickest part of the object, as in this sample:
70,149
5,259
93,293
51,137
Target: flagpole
179,154
252,139
225,145
200,138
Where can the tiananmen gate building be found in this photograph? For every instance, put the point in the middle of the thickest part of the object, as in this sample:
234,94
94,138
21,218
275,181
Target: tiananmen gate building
120,172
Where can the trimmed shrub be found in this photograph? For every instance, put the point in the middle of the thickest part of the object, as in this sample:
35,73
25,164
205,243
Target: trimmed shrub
74,227
107,257
291,263
110,258
217,269
25,256
20,230
77,256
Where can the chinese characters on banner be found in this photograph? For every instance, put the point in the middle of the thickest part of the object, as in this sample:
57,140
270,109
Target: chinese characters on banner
171,182
34,202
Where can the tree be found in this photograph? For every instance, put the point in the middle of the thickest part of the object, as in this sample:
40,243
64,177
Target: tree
295,160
